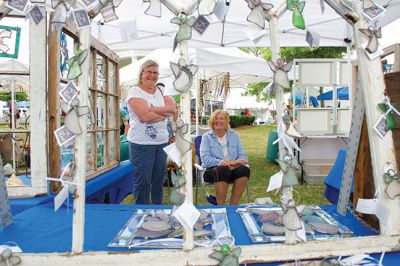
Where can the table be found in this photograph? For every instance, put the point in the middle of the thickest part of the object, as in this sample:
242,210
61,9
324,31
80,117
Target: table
110,187
52,231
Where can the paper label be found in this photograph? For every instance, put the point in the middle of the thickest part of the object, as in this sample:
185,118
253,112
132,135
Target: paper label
187,215
60,198
367,206
174,154
382,212
275,181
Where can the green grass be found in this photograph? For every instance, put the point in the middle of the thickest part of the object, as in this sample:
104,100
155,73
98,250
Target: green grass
254,140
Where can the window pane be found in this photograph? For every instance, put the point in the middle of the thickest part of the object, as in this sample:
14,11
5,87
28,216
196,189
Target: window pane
112,146
112,75
100,149
112,105
66,53
100,72
100,111
89,153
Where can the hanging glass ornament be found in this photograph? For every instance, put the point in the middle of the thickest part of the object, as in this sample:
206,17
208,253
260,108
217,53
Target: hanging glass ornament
373,34
289,166
297,6
185,23
75,62
183,75
390,121
258,10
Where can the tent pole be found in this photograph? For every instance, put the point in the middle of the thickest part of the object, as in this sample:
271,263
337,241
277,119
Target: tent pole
187,157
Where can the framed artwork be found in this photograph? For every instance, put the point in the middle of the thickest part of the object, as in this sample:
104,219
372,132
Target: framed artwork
9,41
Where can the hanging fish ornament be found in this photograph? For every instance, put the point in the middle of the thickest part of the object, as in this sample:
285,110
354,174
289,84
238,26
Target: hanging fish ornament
185,23
373,34
297,6
75,62
183,75
258,10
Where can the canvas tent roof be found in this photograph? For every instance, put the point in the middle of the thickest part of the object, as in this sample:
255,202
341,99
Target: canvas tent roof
153,32
243,67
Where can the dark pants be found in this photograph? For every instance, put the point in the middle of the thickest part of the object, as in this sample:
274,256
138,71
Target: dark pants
223,173
149,166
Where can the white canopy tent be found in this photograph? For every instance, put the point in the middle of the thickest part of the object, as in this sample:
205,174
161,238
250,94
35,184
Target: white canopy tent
152,32
243,67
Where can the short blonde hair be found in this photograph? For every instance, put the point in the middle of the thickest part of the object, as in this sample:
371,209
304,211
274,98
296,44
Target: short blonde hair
145,64
214,115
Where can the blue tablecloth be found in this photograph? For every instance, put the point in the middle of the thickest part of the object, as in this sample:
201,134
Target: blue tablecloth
52,231
40,229
110,187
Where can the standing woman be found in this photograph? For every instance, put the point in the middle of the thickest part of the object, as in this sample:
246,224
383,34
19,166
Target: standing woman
223,156
148,135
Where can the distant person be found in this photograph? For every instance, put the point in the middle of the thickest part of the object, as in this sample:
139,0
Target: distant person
147,135
247,112
223,156
242,112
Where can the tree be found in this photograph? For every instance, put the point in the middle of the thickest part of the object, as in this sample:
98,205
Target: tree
288,54
19,96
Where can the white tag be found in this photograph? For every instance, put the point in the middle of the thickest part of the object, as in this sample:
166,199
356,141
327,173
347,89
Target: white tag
381,127
60,198
301,233
14,249
174,154
382,212
275,181
187,215
367,206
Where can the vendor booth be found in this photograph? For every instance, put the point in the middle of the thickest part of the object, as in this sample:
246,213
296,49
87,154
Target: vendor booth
74,142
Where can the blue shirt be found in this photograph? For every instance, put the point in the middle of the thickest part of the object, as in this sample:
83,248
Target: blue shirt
211,152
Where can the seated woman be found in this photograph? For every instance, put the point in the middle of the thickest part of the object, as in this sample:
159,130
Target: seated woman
222,154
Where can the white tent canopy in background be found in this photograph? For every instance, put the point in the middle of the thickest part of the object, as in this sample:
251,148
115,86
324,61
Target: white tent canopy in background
243,67
16,67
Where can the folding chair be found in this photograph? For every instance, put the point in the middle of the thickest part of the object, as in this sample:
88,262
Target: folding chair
200,173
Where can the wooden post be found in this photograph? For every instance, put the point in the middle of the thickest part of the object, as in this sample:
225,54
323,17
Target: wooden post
78,226
38,139
373,86
280,104
187,157
53,102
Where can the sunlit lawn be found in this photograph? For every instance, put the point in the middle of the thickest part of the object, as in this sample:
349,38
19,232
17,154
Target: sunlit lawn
254,140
